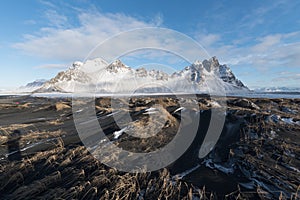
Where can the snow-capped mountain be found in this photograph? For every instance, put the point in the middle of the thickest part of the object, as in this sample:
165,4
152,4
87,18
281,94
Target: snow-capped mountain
64,81
98,76
32,85
36,83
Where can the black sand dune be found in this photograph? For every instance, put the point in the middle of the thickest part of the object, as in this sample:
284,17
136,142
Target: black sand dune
256,157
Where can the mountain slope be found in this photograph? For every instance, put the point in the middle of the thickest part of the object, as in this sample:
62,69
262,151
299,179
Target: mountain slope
98,76
32,85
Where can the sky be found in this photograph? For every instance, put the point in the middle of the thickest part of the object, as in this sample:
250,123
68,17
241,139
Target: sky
258,40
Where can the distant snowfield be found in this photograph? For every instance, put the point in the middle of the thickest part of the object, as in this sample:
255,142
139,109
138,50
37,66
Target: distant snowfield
13,94
286,95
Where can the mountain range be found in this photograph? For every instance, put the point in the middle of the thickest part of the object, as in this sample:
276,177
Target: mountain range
277,90
97,76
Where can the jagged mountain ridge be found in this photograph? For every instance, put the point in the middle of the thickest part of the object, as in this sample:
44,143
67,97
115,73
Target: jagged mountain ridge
119,78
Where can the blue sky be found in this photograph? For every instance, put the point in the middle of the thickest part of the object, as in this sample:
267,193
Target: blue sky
259,40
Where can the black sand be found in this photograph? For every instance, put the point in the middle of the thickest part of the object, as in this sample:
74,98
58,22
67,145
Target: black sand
42,157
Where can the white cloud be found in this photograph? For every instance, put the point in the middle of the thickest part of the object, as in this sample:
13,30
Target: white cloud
69,44
266,43
47,3
158,19
51,66
287,78
207,40
74,43
279,50
257,16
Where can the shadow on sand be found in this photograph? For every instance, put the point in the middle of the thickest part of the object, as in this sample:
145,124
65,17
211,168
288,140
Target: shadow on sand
13,147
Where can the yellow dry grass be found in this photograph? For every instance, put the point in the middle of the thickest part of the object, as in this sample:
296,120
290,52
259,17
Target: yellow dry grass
55,122
7,130
61,106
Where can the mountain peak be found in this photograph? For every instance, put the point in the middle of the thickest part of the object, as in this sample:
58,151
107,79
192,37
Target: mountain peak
76,65
211,64
117,62
214,59
117,66
197,62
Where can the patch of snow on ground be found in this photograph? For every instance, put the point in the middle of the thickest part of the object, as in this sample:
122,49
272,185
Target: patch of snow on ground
183,174
178,109
117,134
210,164
288,120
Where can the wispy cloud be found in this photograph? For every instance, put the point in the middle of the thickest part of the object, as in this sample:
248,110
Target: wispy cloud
47,3
207,40
278,50
257,16
158,19
55,19
74,43
51,66
287,76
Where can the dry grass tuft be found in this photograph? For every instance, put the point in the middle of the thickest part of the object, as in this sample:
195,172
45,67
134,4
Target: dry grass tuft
62,105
